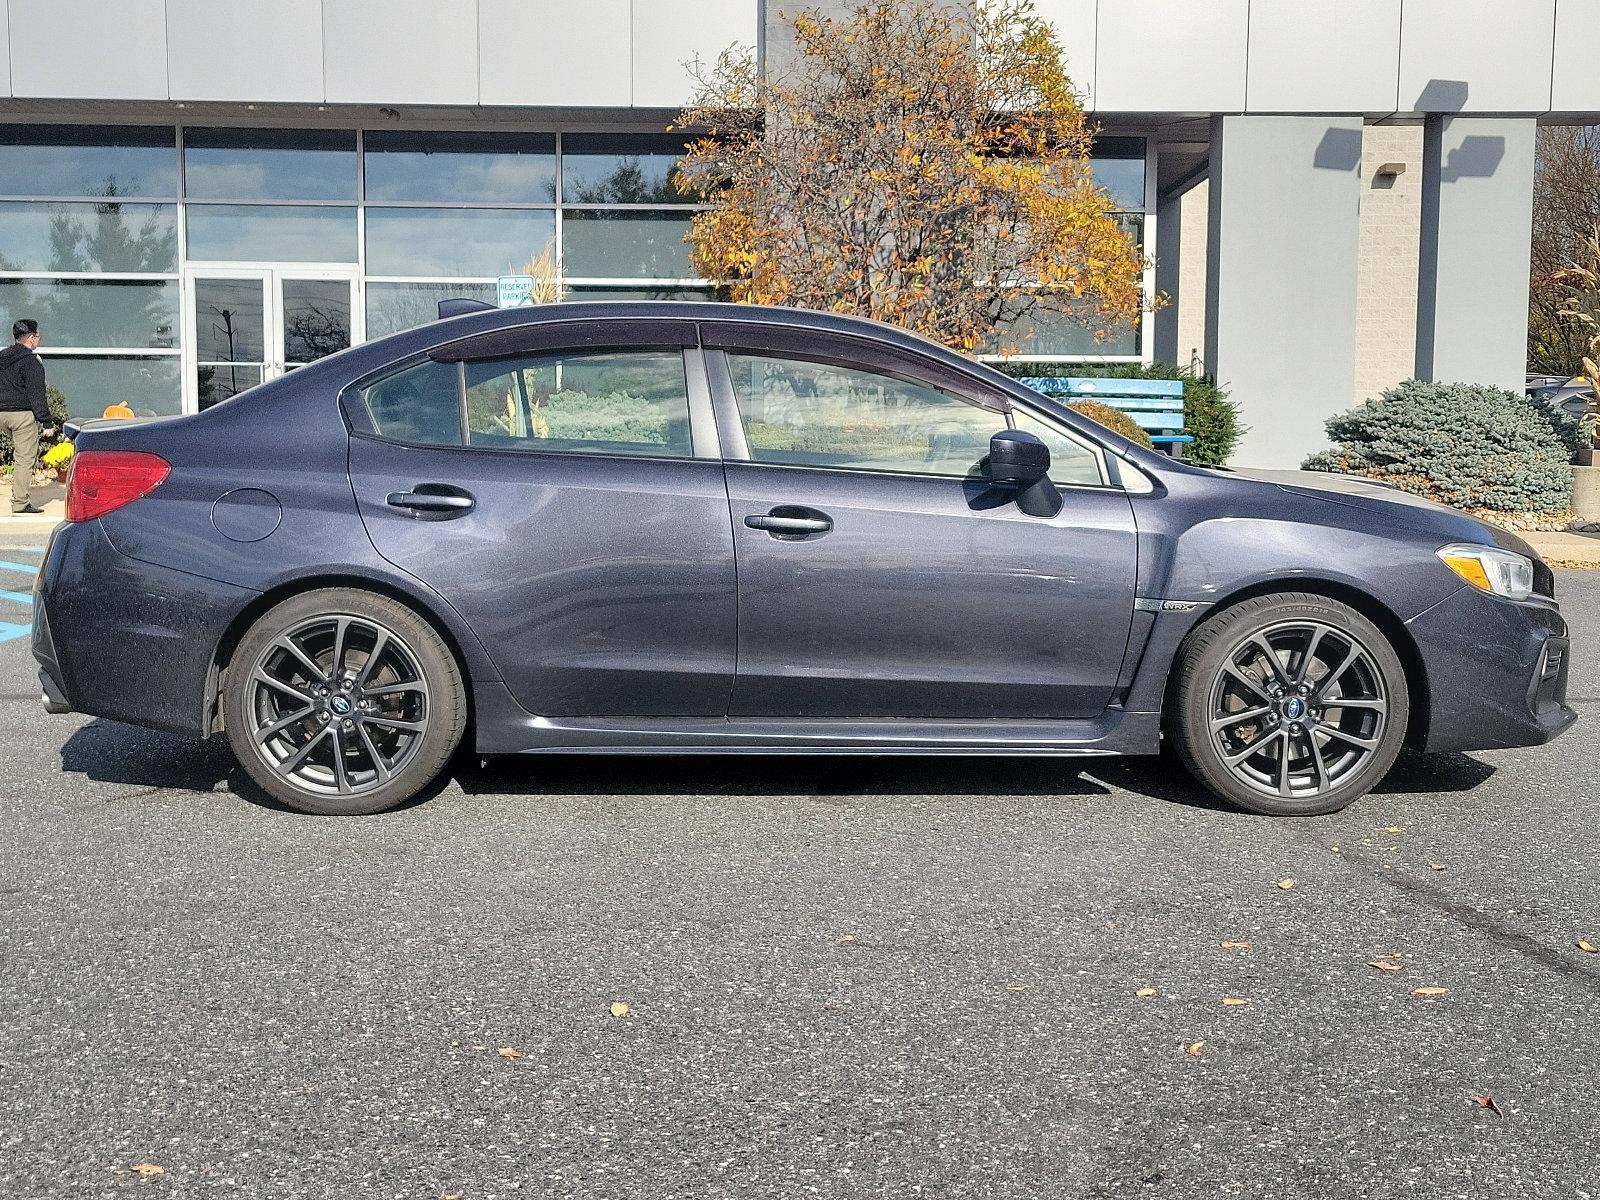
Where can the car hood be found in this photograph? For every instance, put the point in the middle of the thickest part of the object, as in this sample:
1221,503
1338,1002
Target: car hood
1384,500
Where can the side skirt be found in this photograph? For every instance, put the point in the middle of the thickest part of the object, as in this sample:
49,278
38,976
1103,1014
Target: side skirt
504,727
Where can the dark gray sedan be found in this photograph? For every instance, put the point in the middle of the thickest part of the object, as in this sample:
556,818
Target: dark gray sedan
706,529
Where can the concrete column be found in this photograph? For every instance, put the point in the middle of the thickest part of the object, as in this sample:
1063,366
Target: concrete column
1281,277
1477,229
1169,260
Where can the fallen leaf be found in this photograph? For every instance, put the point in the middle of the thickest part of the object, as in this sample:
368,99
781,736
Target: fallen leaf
1286,884
1336,849
1111,924
1017,987
1435,866
1234,1001
509,1052
1384,965
147,1169
452,1196
1393,829
845,937
1194,1049
1145,993
1588,947
1236,945
619,1009
1428,993
1484,1100
480,1049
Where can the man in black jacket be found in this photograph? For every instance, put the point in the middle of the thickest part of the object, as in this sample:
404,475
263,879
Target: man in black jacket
24,412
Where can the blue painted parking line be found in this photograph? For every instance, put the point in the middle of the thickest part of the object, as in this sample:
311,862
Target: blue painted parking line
11,630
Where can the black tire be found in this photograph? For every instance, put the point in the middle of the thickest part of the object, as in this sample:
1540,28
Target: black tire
1224,675
395,681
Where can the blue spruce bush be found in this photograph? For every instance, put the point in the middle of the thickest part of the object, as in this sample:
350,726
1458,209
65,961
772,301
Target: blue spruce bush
1466,445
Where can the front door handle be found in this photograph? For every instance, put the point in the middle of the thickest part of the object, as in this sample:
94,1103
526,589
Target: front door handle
791,521
436,501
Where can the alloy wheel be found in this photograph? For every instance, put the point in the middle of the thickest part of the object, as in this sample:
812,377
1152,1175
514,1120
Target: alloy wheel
338,705
1298,709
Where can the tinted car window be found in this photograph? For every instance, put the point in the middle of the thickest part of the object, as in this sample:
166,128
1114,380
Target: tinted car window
419,404
595,402
821,415
1070,461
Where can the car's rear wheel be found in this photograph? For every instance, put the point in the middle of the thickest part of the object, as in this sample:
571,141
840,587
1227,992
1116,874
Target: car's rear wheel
342,702
1290,705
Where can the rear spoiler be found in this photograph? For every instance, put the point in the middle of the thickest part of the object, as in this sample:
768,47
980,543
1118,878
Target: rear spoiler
460,306
71,428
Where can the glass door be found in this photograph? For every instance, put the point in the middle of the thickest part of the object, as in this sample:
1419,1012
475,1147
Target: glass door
249,324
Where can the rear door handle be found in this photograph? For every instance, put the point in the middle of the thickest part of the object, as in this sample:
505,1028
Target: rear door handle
435,500
791,520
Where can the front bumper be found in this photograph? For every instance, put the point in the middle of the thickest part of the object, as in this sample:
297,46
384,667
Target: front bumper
1496,671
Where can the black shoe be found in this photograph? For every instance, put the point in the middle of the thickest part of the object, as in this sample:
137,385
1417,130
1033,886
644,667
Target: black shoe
26,510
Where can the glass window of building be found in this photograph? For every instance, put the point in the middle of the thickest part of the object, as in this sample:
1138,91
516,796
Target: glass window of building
269,164
463,242
460,168
93,257
621,168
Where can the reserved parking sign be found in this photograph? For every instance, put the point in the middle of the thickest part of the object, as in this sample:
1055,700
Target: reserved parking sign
514,291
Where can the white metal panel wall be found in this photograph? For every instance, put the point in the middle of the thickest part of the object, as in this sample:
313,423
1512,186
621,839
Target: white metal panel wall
1576,83
667,34
1076,25
400,52
275,55
1477,56
1282,276
1171,56
539,52
89,49
1333,56
5,50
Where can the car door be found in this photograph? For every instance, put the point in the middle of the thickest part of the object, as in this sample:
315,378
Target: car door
880,575
561,488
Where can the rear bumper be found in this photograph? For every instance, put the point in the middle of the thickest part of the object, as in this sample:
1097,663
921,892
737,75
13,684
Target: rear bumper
118,638
1497,671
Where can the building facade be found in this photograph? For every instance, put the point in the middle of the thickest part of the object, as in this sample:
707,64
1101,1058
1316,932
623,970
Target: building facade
196,195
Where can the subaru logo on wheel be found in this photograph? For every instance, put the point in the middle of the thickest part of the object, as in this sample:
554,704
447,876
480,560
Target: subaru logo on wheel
339,705
1294,709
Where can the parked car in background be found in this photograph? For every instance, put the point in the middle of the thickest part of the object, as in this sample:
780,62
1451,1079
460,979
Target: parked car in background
1569,395
674,528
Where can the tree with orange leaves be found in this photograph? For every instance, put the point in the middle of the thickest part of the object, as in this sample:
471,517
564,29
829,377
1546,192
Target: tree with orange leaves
922,163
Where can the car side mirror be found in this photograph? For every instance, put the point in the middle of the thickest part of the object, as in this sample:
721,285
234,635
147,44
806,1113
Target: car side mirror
1020,460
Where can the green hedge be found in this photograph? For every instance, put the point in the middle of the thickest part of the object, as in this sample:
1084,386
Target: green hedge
1208,414
1467,445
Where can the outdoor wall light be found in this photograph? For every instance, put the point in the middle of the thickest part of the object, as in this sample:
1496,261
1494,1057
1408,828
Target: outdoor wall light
1390,170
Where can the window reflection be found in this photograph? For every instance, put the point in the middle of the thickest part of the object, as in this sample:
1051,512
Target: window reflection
88,237
483,168
271,233
620,168
603,244
269,164
122,313
88,160
459,241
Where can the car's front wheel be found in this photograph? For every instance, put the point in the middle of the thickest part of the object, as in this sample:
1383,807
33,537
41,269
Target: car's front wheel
1289,705
342,702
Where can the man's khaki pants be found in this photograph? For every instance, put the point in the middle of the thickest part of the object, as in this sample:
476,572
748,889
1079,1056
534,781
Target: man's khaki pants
24,430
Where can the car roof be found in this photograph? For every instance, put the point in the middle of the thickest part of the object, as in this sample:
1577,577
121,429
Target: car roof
453,329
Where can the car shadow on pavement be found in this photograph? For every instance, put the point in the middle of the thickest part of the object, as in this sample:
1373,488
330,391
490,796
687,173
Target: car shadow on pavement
110,752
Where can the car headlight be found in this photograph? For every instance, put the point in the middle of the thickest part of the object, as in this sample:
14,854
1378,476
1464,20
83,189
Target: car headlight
1503,572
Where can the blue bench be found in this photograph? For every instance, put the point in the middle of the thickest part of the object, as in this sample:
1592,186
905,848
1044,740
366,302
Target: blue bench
1156,404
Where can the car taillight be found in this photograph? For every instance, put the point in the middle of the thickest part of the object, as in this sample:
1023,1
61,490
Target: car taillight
102,481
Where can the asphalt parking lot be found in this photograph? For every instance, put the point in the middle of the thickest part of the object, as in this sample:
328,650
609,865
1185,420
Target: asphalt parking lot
867,978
